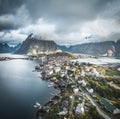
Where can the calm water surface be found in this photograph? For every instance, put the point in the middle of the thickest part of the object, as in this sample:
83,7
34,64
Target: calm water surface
20,88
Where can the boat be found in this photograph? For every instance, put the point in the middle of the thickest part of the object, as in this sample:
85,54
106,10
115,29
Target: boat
37,105
50,84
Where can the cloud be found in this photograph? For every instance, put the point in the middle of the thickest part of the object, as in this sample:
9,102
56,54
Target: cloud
14,21
41,28
7,22
1,34
112,11
64,21
66,9
101,27
12,36
10,6
93,31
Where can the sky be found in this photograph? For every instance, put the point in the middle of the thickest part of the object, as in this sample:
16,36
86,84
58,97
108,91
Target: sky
67,22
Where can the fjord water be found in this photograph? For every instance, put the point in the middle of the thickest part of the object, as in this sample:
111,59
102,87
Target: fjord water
20,88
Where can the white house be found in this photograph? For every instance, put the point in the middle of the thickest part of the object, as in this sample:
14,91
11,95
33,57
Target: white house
57,69
83,83
73,69
82,73
75,90
76,77
51,66
90,90
63,73
67,67
49,72
62,113
79,109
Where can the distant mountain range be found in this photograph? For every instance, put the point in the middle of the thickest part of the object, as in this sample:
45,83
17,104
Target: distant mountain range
5,48
107,48
34,45
117,48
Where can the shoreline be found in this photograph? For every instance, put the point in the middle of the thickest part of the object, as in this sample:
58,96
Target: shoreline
54,98
10,58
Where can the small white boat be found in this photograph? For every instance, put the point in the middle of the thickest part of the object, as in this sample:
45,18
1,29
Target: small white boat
37,105
62,113
50,84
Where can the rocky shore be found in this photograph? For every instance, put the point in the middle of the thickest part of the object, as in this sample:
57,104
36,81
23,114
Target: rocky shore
5,58
10,58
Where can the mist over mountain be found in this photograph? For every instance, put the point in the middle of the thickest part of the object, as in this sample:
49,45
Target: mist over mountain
34,45
37,45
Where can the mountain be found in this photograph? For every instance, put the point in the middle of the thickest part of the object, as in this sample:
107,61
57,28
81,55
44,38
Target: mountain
17,47
33,45
5,48
36,45
117,48
107,48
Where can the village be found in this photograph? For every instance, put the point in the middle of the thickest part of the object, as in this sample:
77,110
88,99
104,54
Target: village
85,90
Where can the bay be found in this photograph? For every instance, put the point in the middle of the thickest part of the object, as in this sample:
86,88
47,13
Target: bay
20,88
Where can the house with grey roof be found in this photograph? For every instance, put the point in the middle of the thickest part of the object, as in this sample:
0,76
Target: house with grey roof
109,106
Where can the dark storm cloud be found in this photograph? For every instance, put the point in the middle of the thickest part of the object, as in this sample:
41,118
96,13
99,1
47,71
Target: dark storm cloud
66,10
6,25
66,13
62,12
20,18
7,22
9,6
64,20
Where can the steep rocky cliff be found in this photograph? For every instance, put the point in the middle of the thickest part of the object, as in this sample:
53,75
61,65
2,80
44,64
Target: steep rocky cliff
33,45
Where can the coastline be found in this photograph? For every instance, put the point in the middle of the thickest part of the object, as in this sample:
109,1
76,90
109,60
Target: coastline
10,58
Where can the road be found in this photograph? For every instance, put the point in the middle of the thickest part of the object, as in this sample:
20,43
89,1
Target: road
71,108
101,112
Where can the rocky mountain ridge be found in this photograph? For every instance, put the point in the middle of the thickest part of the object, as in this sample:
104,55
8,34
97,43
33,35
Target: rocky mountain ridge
33,46
36,45
107,48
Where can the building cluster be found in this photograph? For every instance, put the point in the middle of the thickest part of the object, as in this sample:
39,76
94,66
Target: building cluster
69,76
